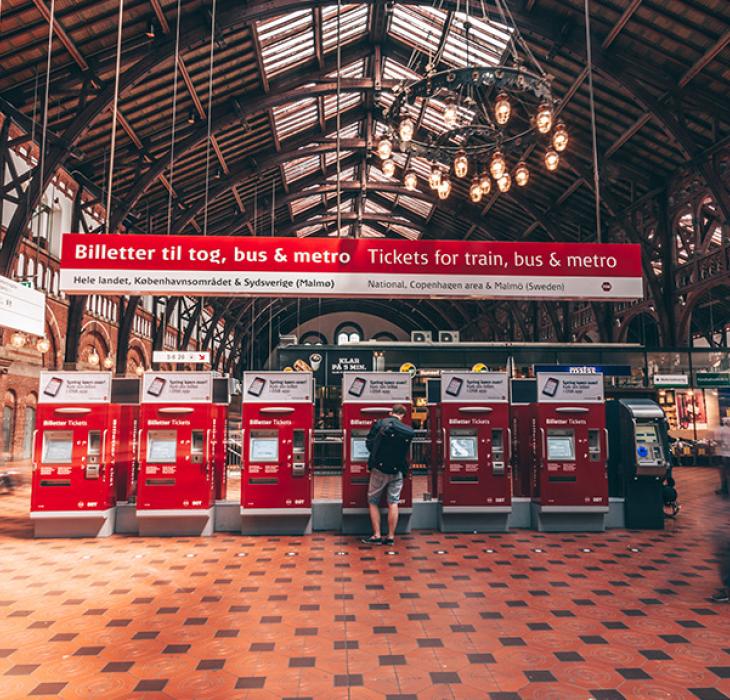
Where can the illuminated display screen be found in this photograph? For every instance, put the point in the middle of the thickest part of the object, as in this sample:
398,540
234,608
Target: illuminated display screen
264,449
358,450
463,447
646,433
162,448
560,447
58,447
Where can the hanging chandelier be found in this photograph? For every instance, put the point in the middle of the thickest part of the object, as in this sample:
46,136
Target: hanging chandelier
488,119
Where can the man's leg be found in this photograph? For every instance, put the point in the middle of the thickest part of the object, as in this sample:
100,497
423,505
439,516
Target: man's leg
392,519
374,509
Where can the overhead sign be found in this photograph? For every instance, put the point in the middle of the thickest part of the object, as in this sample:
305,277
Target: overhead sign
278,387
75,387
196,357
671,380
177,387
606,370
712,379
21,308
349,361
474,387
347,267
563,387
367,387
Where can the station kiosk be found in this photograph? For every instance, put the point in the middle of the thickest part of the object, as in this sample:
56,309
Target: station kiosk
73,488
570,485
366,397
125,396
474,484
178,433
277,424
639,459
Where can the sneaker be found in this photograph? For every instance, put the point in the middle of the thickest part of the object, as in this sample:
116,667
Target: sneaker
721,596
388,541
372,540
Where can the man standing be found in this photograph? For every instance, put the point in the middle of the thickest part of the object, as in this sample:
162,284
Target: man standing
722,447
388,442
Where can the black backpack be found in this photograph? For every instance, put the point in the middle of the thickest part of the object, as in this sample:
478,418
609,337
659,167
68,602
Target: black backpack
391,447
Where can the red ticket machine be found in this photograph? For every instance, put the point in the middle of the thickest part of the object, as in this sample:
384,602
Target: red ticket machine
366,397
178,429
125,396
276,483
570,483
73,489
475,490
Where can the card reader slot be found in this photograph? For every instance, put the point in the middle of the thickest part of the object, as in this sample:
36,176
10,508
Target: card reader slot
464,479
160,482
568,478
360,480
261,480
55,482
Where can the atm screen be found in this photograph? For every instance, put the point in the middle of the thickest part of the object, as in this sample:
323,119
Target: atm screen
264,449
463,447
358,450
162,448
561,448
58,447
646,433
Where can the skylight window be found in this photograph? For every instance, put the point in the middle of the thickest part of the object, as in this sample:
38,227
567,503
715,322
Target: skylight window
286,41
353,25
304,203
421,28
294,117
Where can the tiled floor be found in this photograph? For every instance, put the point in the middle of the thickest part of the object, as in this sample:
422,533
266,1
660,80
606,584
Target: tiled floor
523,615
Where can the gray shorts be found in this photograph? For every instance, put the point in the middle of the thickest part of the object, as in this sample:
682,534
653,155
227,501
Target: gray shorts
379,482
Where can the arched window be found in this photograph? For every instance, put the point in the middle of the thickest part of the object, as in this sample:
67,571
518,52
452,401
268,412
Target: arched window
40,276
30,271
8,424
384,335
313,338
20,266
348,332
29,426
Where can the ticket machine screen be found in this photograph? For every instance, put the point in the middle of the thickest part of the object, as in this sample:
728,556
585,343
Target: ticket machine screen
57,447
162,447
648,448
463,447
561,447
264,448
358,450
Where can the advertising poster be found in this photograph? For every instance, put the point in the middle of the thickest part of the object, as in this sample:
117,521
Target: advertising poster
474,387
278,387
563,387
691,410
75,387
348,267
177,387
22,308
369,387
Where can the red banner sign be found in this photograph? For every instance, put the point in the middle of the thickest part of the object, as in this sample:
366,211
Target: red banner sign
347,267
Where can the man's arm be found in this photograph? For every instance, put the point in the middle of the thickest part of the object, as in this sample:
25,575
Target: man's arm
371,435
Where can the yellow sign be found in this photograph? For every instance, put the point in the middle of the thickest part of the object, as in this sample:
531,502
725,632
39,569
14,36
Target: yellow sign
480,367
408,367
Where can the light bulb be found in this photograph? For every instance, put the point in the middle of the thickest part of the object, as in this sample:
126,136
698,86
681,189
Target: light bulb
551,160
139,370
485,182
444,189
406,129
435,177
461,164
388,167
504,183
17,340
451,113
560,138
502,109
544,118
475,191
108,362
43,345
93,358
498,166
522,174
410,180
385,148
